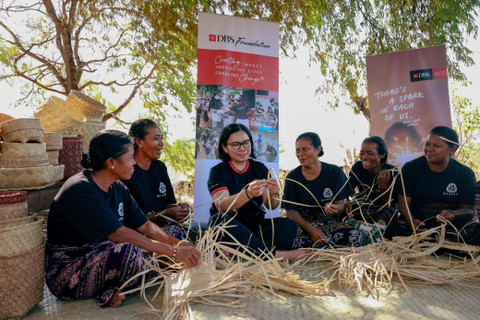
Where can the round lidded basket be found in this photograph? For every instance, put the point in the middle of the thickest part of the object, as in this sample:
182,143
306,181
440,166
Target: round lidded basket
90,107
21,282
20,235
22,130
60,116
71,155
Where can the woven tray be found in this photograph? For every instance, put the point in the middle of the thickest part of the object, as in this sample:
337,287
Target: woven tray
21,282
22,130
90,107
61,117
20,235
30,178
13,211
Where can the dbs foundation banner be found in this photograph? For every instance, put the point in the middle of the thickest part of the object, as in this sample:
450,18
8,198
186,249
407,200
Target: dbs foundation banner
237,83
408,96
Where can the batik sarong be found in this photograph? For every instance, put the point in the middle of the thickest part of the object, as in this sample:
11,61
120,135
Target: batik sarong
338,233
92,270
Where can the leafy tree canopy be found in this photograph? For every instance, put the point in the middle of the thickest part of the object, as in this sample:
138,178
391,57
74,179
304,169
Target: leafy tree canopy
148,48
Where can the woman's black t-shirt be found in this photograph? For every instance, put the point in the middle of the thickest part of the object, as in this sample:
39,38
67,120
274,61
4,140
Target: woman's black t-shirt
151,188
224,176
83,213
366,181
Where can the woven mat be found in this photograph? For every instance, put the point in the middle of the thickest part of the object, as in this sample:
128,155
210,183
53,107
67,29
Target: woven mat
426,302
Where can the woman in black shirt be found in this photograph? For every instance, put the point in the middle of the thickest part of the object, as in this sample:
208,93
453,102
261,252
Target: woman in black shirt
97,234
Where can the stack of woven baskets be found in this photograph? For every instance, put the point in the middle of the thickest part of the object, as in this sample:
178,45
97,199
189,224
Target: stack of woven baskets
93,111
23,158
78,119
21,256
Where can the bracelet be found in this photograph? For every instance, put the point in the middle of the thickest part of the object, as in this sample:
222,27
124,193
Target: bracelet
174,255
452,212
247,194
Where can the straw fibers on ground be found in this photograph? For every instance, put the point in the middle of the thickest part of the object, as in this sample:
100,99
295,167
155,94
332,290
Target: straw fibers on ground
398,279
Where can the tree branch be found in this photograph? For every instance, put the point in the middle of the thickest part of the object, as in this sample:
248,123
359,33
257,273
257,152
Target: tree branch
127,101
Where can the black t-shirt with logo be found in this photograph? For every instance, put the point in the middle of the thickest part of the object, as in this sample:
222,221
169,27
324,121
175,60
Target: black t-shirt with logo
330,181
224,176
366,181
451,188
240,109
151,188
83,213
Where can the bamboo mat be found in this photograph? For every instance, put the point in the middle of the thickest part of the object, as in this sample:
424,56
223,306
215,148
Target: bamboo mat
426,302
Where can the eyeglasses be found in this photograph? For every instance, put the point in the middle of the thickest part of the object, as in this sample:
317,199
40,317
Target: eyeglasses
236,145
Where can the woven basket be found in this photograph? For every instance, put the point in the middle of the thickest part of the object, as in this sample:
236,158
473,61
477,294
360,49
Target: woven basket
21,282
12,197
22,130
71,155
20,235
53,140
30,178
4,117
13,204
53,156
13,211
60,116
90,107
89,130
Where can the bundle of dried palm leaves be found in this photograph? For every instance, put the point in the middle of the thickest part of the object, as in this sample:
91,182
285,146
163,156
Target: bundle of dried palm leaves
228,273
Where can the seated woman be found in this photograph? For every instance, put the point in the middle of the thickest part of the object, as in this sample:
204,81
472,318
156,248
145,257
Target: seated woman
372,175
436,189
150,184
97,234
239,184
327,184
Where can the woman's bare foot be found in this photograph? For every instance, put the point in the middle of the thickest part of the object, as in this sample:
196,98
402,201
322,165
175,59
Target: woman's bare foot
293,255
117,299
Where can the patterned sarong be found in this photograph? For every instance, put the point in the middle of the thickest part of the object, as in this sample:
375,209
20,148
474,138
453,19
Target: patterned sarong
92,270
338,233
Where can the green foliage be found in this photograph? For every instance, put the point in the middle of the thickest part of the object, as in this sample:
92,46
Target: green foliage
180,156
147,49
466,122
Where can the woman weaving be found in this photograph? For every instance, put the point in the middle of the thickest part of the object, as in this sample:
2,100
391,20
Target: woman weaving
97,234
436,189
240,189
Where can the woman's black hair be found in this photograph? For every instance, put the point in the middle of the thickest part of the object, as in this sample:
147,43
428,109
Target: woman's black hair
104,145
225,135
314,140
139,129
381,147
448,134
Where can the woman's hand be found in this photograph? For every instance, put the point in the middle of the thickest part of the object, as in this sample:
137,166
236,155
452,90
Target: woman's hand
383,179
444,216
178,212
256,188
332,208
188,255
316,234
273,186
418,225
